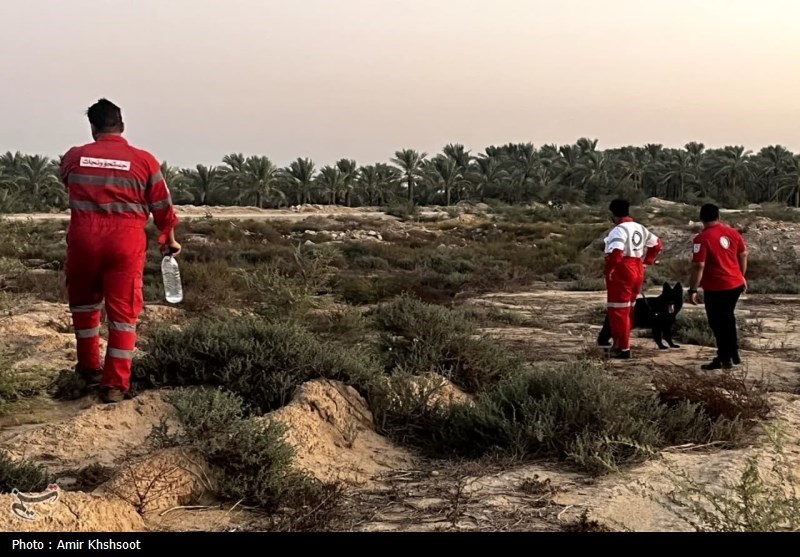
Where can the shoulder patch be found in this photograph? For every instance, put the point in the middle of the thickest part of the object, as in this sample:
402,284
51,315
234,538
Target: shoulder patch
725,242
696,248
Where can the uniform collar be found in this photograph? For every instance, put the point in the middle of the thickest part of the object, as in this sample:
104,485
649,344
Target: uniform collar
111,137
625,219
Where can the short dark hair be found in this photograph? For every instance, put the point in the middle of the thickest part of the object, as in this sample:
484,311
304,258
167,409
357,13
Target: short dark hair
620,208
105,116
709,213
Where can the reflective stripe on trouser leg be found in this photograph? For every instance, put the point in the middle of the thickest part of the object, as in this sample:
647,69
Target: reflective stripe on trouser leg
119,355
619,321
87,336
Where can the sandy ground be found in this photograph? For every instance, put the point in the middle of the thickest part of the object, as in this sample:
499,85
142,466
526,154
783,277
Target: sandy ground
391,488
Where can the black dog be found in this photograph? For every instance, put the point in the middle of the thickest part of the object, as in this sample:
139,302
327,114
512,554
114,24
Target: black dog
657,314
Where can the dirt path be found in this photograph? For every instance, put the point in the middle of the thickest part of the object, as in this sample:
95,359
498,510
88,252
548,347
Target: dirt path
191,212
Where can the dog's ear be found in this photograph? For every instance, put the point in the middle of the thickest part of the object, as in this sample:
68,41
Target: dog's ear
666,288
678,287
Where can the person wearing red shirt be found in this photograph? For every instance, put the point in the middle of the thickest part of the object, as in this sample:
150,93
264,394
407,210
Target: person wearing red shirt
113,188
630,247
719,266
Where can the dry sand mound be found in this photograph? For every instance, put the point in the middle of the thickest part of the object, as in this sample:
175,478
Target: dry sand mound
42,335
103,434
333,433
160,481
73,512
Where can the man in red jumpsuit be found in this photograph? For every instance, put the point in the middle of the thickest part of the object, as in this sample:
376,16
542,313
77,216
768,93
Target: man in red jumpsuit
113,187
630,247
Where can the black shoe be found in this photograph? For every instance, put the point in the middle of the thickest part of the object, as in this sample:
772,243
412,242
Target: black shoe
91,377
736,360
621,354
715,364
110,395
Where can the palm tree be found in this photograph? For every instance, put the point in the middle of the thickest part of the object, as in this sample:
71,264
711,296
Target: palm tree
730,169
789,192
301,175
773,164
258,180
349,174
486,174
410,161
330,181
38,178
204,182
680,172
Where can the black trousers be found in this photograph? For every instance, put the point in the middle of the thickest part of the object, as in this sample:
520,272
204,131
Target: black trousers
720,309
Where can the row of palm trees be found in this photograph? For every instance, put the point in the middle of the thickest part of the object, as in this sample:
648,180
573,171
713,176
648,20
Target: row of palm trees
512,173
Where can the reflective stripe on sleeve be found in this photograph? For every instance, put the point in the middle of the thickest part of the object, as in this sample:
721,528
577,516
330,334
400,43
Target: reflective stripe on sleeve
155,178
163,204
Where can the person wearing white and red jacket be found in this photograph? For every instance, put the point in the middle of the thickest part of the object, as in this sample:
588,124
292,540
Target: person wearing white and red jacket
629,248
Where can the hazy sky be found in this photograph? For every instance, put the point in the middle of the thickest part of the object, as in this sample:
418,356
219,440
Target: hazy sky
328,79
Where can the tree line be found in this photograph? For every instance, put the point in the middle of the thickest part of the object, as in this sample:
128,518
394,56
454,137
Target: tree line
515,173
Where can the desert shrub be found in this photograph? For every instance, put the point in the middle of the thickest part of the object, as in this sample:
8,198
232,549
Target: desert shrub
693,328
370,262
764,498
206,285
345,324
423,338
406,406
777,284
585,285
24,475
570,271
250,460
41,284
261,361
728,395
575,413
17,384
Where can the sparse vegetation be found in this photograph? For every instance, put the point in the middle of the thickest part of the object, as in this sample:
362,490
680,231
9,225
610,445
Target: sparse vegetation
21,474
421,338
764,498
261,361
571,412
251,460
731,395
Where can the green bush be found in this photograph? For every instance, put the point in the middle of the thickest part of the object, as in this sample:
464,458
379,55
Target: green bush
422,337
570,271
251,461
573,412
23,475
261,361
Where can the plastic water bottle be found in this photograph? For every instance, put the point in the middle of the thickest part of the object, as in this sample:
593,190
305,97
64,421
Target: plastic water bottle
171,275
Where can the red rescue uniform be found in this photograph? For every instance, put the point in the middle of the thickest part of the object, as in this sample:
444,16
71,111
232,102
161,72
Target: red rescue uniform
719,246
113,188
629,247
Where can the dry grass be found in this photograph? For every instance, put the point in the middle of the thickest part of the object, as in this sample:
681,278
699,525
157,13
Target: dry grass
730,395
